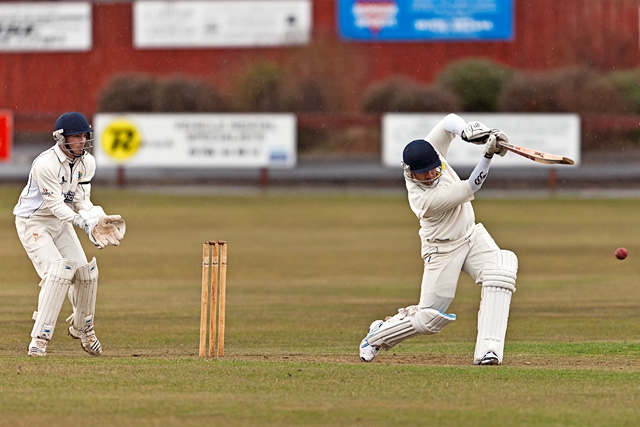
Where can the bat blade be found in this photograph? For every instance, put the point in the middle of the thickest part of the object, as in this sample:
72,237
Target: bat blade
538,156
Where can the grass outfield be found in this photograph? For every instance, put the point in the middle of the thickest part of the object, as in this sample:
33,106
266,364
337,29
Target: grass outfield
306,276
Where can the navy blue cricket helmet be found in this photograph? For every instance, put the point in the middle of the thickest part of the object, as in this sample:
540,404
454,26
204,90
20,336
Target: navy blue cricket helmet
420,156
72,123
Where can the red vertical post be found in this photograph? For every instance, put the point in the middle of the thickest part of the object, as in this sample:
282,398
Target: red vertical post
6,135
121,180
552,179
264,177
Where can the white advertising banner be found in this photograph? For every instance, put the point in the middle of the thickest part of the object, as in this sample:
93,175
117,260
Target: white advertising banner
45,26
239,23
552,133
195,140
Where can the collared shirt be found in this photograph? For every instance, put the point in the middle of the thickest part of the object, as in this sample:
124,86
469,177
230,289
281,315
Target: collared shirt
58,186
444,210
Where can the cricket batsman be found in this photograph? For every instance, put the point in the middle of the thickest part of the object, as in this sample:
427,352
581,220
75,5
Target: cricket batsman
57,197
451,242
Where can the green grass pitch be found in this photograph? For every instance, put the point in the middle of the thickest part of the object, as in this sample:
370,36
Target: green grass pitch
307,273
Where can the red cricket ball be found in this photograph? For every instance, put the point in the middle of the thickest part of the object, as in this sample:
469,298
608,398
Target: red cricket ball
621,253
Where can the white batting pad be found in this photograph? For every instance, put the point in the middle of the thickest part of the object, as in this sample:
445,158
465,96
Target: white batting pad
408,322
54,287
499,278
501,271
82,295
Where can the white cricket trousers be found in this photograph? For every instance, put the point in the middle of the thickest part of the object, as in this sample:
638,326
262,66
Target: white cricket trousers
47,240
443,263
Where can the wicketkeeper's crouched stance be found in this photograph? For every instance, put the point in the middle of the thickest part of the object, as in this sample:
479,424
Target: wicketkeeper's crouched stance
57,197
451,242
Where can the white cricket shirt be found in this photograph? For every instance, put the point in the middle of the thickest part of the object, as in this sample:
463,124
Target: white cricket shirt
58,186
445,210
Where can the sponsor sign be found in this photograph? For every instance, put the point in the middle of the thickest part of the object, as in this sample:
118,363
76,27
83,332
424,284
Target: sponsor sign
394,20
195,140
552,133
45,26
239,23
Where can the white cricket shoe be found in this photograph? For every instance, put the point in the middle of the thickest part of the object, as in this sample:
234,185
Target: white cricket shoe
368,351
87,337
489,359
38,347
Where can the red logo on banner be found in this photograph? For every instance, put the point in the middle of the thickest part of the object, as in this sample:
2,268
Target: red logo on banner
6,135
375,14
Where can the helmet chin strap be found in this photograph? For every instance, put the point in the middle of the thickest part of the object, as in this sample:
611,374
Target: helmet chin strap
70,151
62,141
408,173
426,182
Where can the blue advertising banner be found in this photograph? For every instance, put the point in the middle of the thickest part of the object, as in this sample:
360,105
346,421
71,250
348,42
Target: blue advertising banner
413,20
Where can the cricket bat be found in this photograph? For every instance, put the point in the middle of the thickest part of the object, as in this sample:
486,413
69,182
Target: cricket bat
537,156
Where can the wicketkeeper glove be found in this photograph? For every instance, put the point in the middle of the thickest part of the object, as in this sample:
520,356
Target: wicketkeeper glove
102,231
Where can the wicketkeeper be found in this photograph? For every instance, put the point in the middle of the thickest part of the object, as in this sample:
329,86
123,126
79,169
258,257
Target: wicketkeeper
57,197
451,242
